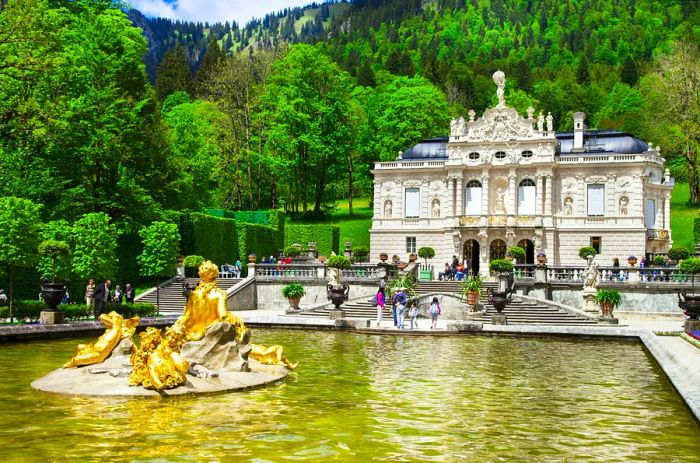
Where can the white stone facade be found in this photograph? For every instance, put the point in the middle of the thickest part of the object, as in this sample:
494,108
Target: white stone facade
512,178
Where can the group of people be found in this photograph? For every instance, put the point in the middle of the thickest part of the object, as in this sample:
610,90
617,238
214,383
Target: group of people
456,271
100,295
398,303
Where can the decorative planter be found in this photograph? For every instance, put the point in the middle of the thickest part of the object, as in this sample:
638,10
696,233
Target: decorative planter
383,256
337,294
322,259
52,294
402,265
499,300
606,308
252,258
541,260
632,262
690,303
412,257
425,275
294,302
473,297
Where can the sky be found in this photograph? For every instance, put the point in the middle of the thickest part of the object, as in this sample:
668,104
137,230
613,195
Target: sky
240,11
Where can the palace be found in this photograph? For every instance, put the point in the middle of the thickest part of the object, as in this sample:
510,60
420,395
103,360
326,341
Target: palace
503,180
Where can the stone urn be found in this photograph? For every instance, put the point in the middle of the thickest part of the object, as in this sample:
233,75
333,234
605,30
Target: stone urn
473,297
383,257
294,302
412,257
53,293
632,261
499,300
252,258
337,294
690,303
541,259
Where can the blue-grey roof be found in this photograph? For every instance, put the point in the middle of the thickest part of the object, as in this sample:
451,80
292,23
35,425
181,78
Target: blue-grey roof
431,148
602,141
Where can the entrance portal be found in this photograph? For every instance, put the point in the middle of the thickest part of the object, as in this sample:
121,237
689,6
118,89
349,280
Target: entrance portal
529,248
470,256
498,250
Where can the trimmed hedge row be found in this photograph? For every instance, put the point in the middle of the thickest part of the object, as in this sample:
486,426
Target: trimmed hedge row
31,310
214,238
327,237
259,239
696,229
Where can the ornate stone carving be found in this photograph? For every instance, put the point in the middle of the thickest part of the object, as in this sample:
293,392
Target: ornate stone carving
472,114
458,127
537,242
530,112
624,202
540,122
500,79
387,209
435,209
500,203
457,242
568,205
500,124
550,122
596,179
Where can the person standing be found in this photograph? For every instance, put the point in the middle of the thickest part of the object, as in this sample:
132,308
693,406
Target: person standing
90,292
118,295
237,269
101,296
434,312
412,312
129,294
401,300
380,305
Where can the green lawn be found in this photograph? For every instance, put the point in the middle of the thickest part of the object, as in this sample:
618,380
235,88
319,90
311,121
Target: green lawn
353,228
682,216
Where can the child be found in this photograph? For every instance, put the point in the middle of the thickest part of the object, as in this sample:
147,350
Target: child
434,312
412,312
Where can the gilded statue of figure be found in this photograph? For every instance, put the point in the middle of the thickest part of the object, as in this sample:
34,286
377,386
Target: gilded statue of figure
166,368
150,340
117,329
273,355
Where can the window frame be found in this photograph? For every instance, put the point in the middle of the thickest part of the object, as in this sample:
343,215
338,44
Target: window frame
406,204
411,244
589,203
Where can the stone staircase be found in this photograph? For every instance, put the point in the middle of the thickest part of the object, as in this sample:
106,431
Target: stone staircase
447,287
172,302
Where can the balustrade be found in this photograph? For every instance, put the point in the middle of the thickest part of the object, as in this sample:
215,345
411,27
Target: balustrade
319,271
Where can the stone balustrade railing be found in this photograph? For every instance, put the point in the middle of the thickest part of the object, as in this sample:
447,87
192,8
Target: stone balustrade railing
574,275
317,271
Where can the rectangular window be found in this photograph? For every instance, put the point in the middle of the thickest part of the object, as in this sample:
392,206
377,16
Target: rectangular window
410,244
412,205
527,199
651,213
473,201
596,243
596,200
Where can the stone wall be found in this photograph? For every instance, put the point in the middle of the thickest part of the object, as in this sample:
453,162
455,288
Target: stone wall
620,244
635,300
269,294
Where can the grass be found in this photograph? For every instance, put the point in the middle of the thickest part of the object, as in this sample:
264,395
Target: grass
682,215
353,228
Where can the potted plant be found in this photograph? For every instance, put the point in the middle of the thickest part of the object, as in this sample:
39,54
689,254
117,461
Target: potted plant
586,251
678,254
690,303
632,261
426,273
293,292
608,300
471,288
51,292
658,261
192,262
503,268
500,266
541,258
252,258
517,253
293,250
360,253
337,292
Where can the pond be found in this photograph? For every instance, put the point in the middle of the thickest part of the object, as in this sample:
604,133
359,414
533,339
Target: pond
361,397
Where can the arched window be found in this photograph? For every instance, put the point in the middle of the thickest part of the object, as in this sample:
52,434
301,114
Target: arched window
526,197
474,155
500,155
497,250
526,154
472,198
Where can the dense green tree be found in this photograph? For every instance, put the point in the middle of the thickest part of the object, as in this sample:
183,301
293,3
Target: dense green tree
583,75
58,230
95,249
365,75
629,74
161,246
173,73
20,223
213,59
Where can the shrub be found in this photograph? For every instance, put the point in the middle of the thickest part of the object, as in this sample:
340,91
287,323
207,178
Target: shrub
292,250
76,311
678,254
586,251
611,296
518,253
327,237
293,290
426,253
360,253
260,240
659,260
501,265
690,265
696,229
214,238
339,262
192,261
471,284
54,250
24,310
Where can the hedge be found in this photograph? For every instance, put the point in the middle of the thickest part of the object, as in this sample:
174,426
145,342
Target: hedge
327,237
696,229
259,239
31,310
214,238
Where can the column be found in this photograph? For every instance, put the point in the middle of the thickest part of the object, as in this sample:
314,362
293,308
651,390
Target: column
485,194
548,196
538,194
512,193
667,211
449,206
459,190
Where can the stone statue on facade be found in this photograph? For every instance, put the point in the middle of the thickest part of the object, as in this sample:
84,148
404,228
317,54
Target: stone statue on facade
568,205
387,209
458,127
591,276
624,201
500,204
436,208
500,79
550,122
540,122
537,242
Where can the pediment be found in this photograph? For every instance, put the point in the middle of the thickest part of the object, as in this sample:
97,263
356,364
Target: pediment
500,124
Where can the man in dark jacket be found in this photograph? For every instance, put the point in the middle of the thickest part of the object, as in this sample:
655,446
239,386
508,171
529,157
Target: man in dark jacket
101,296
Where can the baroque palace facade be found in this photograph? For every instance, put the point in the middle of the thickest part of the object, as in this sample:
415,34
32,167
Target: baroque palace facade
503,180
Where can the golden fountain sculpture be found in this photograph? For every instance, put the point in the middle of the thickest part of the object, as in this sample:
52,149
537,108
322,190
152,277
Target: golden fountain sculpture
157,362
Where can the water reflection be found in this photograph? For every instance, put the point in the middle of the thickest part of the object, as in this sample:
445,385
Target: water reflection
358,397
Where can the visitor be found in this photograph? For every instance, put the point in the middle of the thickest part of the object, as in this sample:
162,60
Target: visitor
129,294
101,296
3,297
401,300
446,274
380,302
180,271
455,263
412,313
118,296
434,312
616,269
90,292
66,298
237,269
459,274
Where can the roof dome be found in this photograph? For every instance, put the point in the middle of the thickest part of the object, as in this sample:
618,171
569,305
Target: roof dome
599,141
432,148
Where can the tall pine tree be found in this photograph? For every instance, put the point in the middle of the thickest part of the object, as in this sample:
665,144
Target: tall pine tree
212,60
173,73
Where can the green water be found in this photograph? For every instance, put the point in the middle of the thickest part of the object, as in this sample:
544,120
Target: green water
358,398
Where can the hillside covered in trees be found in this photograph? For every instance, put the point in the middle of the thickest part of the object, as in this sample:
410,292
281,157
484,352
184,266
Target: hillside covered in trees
262,121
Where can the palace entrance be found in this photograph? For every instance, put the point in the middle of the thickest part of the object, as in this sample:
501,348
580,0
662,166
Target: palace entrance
470,255
529,248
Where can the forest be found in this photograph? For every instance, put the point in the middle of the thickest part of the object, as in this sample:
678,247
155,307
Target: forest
296,121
